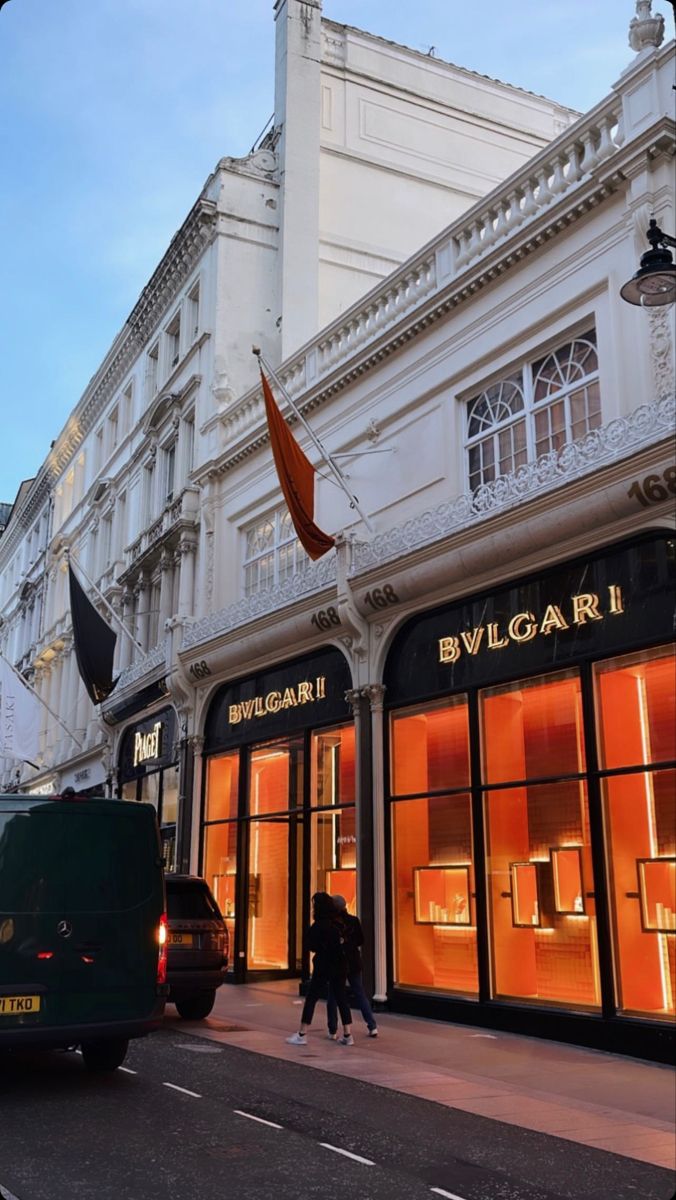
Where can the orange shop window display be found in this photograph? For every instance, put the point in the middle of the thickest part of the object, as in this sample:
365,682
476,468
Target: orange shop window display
220,833
433,868
636,717
543,938
333,839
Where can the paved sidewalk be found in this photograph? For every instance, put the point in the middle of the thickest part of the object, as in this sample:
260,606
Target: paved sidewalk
614,1103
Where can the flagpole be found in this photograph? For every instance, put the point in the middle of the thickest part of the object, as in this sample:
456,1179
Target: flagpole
354,503
43,703
111,610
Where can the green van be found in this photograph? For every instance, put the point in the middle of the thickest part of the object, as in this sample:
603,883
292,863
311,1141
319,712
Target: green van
82,925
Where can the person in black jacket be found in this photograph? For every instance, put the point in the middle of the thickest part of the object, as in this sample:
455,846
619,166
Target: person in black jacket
329,968
353,937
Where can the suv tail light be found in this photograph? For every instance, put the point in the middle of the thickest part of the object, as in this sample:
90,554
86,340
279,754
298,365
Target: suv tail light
162,956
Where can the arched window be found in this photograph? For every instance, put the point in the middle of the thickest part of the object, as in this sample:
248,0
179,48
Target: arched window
272,553
535,410
496,431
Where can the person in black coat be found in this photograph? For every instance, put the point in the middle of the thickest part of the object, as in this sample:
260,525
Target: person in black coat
353,940
325,939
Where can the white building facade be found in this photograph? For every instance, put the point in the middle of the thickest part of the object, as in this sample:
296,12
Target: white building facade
461,719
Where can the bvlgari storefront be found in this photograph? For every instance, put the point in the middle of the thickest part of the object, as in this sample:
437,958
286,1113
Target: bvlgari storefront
279,807
149,771
532,764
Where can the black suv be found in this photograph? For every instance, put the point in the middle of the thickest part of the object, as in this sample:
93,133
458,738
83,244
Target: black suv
197,946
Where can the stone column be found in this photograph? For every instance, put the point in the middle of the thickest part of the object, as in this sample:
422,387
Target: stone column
358,700
196,745
186,591
166,590
141,594
376,695
127,615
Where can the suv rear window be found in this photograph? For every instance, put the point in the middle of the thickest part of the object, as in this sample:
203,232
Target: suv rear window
74,862
190,902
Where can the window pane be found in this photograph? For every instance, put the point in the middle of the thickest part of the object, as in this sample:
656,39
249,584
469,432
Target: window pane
533,730
541,904
550,428
220,872
333,768
636,699
222,785
333,854
269,773
169,796
640,822
268,925
433,882
430,748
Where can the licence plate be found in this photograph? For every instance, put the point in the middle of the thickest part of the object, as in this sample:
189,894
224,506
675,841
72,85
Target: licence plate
180,939
16,1006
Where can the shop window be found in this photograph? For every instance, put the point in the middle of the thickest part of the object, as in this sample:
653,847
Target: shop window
636,710
333,839
220,871
535,410
434,894
222,787
636,726
430,749
541,891
272,553
533,730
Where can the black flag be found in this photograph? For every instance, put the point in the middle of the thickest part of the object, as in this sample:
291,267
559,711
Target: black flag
94,643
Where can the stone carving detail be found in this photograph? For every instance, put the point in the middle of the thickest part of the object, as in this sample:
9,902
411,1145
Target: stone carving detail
156,658
645,30
662,350
315,577
643,427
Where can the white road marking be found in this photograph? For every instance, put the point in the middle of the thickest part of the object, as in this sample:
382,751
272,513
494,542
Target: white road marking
357,1157
185,1090
450,1195
127,1070
260,1120
299,1002
5,1194
492,1036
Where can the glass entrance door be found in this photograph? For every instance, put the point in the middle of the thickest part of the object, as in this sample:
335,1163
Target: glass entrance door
275,795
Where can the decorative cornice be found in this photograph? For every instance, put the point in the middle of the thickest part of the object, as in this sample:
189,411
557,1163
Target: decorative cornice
313,579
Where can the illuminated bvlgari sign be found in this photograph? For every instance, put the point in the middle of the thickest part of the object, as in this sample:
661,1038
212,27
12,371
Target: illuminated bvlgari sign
306,692
148,746
524,626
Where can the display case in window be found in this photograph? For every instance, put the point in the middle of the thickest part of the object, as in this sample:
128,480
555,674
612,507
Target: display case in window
657,892
525,895
343,882
567,876
442,895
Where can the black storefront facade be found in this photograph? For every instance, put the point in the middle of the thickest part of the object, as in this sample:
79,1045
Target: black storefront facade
149,770
530,768
279,807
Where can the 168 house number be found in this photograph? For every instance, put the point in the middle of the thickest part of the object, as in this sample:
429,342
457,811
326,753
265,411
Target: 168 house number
653,489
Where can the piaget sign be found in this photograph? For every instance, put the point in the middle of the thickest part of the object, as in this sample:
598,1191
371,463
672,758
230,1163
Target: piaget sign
148,746
525,626
306,692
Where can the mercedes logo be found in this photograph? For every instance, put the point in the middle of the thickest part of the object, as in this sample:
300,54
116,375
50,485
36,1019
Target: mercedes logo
64,928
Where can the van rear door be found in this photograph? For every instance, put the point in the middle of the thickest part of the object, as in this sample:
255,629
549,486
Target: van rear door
81,895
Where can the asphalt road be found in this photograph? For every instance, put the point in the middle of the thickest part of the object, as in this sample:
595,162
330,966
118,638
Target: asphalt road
188,1118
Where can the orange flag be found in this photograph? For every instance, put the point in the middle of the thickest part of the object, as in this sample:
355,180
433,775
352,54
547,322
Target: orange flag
296,477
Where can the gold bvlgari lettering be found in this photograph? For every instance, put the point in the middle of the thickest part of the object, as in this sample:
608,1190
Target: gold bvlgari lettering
305,692
524,626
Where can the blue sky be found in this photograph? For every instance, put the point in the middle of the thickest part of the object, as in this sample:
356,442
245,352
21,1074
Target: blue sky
114,112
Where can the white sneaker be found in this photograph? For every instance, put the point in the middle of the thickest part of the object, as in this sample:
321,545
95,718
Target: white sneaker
346,1040
373,1032
333,1037
298,1039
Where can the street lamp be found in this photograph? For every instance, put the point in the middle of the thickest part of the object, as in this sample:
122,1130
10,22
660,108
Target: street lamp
655,281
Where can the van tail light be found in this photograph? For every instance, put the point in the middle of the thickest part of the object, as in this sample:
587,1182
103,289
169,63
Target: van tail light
162,956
